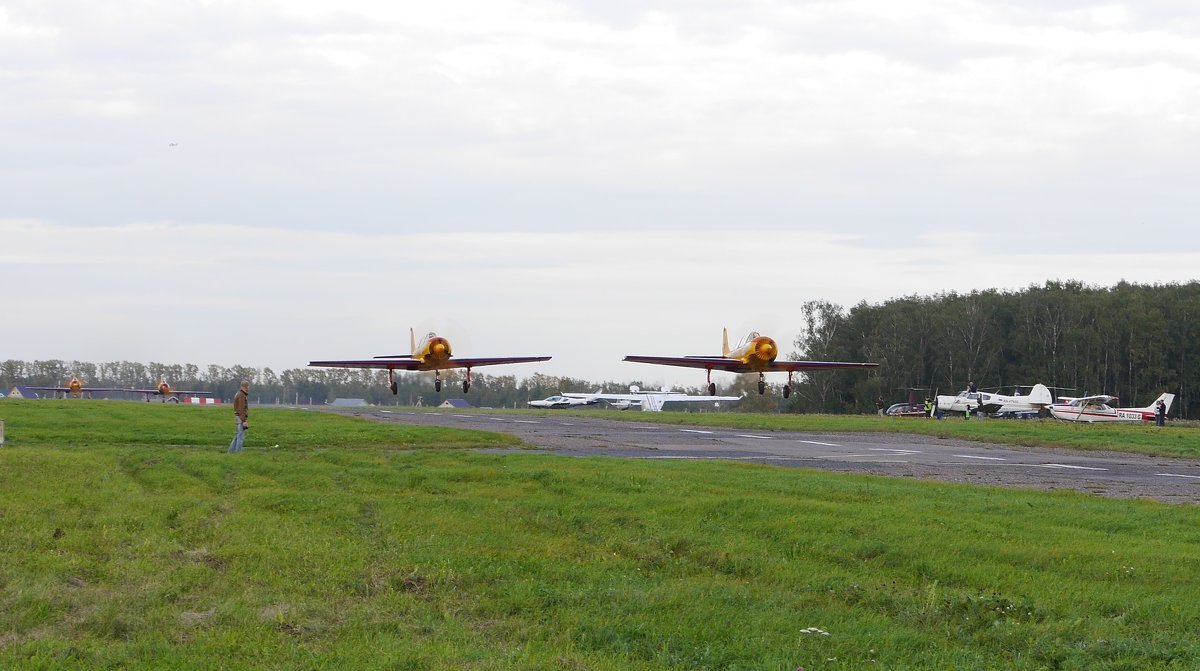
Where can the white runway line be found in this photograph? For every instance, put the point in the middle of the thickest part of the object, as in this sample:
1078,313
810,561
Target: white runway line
893,450
746,435
1078,468
462,416
1178,475
525,421
816,442
695,431
971,456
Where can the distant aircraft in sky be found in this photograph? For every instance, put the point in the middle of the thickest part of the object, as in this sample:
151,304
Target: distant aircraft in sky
432,353
755,354
971,401
75,388
1097,409
650,401
167,392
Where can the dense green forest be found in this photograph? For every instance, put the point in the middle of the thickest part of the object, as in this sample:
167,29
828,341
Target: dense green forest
1129,340
1132,341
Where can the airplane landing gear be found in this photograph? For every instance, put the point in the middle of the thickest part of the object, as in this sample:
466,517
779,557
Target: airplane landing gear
392,386
392,381
467,382
762,384
437,381
787,388
712,386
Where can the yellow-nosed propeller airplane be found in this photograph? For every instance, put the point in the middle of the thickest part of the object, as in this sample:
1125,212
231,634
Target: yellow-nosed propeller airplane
166,391
756,354
432,353
75,388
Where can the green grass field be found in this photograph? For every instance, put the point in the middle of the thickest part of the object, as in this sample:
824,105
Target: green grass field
128,539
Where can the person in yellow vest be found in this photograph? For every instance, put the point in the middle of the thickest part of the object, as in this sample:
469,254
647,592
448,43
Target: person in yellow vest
928,407
241,410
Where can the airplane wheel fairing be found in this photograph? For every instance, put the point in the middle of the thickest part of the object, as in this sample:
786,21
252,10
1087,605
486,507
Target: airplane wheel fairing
762,387
466,386
437,385
787,391
393,388
712,388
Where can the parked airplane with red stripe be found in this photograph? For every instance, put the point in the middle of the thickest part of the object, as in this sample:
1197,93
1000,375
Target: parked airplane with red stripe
1097,409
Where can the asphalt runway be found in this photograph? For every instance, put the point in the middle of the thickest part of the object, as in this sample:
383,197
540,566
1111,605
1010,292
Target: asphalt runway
901,455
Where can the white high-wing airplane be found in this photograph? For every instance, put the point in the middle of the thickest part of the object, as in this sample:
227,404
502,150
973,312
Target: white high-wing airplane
1097,409
648,401
564,401
971,401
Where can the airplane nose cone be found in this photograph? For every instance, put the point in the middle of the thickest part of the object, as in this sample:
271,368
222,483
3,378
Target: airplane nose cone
438,348
766,350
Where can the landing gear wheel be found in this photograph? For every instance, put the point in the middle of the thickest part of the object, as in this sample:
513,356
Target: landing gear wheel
787,390
393,387
762,387
712,388
466,386
437,386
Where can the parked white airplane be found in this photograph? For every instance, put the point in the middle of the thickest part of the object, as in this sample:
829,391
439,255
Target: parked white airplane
564,402
1097,409
648,401
970,401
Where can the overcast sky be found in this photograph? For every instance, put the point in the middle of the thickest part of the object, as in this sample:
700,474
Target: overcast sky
266,183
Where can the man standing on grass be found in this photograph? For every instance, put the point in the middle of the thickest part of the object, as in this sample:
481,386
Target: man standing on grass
241,410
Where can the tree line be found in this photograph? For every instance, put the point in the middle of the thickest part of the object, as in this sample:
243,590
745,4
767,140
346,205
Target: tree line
1129,340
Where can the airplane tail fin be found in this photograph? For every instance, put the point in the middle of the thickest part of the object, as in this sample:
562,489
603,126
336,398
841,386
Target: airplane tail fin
412,337
1039,395
1165,398
725,342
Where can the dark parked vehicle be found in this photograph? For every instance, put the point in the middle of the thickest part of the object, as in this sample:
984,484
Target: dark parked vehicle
906,410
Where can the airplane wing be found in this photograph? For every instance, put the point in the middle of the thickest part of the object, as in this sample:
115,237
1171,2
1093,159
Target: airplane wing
737,366
1103,398
67,390
463,362
664,396
173,392
801,366
383,363
407,363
